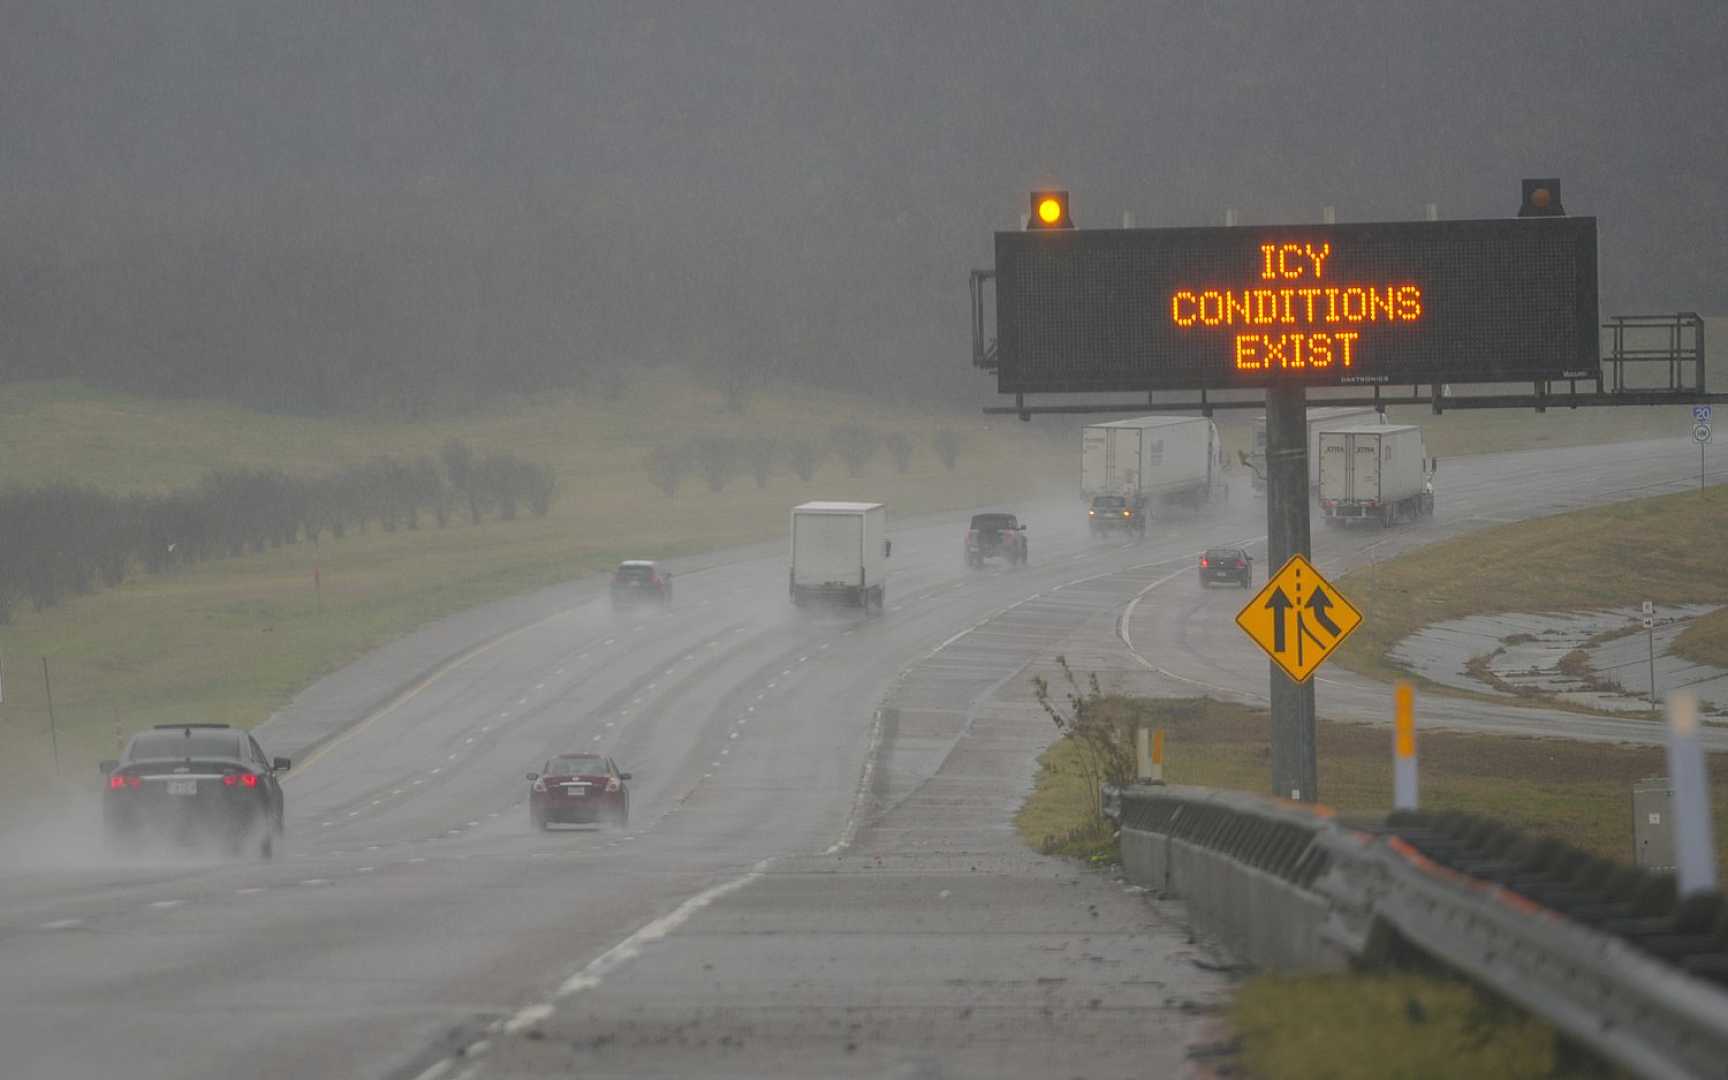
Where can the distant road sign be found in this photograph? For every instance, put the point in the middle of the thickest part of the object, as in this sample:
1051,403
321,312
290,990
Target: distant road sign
1080,310
1701,413
1700,433
1298,618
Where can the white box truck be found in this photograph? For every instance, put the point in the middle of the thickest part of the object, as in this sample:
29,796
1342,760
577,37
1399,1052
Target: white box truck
1329,418
840,554
1128,465
1375,473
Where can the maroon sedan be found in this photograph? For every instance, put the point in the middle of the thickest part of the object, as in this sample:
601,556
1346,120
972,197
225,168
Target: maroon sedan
578,789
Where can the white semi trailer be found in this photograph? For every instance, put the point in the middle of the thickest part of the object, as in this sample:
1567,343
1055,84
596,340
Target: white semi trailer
1172,459
1330,418
839,554
1375,473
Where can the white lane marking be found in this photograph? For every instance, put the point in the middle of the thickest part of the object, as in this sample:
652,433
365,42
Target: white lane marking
437,1069
539,686
438,770
560,671
801,659
521,701
417,781
62,924
252,891
375,802
452,757
734,735
314,882
327,824
608,641
527,1017
631,947
469,739
596,738
353,813
364,869
396,791
418,859
864,781
724,750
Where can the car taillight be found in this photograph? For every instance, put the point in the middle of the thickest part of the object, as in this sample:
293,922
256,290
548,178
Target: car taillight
1204,563
1240,565
612,784
540,785
117,783
240,780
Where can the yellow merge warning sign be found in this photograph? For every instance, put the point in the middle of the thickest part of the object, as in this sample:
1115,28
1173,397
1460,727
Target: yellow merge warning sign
1298,618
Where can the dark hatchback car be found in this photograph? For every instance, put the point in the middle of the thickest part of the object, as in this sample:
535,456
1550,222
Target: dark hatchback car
640,583
194,784
578,789
1232,566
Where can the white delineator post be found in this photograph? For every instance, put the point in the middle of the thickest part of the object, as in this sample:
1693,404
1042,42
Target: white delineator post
1404,748
1142,754
1694,847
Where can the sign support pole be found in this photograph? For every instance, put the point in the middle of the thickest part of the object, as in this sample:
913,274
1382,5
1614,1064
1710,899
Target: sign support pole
1295,772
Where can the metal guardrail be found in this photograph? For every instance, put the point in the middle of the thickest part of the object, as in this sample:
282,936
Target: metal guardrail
1627,1004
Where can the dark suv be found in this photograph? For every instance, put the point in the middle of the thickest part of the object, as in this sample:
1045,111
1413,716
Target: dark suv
1233,566
992,535
194,783
638,583
1107,513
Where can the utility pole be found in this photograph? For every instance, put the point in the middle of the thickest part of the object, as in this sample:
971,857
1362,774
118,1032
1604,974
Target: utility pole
1295,771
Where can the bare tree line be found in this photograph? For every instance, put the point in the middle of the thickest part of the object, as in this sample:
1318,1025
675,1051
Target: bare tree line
718,459
60,540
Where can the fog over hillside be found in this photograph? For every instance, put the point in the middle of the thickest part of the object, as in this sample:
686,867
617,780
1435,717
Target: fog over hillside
353,205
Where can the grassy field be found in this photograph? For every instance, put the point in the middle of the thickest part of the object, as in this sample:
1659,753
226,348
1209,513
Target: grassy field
1488,431
1667,549
1374,1026
233,639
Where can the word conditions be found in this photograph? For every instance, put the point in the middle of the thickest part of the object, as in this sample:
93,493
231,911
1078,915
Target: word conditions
1328,317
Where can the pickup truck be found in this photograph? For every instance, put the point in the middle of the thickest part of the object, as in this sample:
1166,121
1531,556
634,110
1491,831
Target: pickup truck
995,535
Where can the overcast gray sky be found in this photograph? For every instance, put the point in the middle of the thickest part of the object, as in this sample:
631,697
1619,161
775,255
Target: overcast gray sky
818,177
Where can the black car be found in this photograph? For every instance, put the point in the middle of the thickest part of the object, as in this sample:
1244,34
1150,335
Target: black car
1233,566
194,784
1107,513
640,583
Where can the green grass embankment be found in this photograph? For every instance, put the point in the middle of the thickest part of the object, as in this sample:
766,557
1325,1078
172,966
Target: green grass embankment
1668,549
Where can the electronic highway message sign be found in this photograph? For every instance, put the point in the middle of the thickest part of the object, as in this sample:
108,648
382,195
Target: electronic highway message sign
1359,304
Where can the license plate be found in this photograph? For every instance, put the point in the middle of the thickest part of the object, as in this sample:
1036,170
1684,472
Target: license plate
182,787
575,789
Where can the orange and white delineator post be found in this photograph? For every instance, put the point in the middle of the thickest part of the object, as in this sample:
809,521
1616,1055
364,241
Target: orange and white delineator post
1149,755
1404,747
